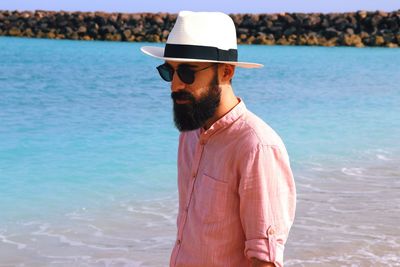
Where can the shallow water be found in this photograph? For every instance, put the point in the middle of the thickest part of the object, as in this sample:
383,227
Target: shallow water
88,152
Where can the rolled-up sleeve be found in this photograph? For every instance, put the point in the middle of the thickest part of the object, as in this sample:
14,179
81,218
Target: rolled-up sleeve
267,202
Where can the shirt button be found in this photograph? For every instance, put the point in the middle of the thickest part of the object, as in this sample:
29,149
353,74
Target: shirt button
271,231
178,242
193,175
187,209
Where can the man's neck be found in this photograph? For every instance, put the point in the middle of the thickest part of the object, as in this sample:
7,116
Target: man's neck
227,103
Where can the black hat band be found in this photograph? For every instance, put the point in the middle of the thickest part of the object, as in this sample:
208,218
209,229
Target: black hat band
200,52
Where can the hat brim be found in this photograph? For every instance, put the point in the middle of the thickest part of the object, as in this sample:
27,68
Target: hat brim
158,52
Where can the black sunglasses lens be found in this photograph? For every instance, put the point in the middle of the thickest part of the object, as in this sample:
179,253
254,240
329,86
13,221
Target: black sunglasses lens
186,75
166,72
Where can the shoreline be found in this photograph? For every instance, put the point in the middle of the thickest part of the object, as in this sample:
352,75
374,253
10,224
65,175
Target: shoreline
357,29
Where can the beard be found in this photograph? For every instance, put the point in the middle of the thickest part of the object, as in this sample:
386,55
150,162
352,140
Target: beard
194,114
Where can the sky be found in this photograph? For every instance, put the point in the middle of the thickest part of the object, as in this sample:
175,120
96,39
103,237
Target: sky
227,6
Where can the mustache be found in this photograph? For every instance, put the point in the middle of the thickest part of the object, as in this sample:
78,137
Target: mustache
182,95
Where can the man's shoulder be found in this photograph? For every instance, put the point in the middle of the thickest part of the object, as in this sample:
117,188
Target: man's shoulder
255,132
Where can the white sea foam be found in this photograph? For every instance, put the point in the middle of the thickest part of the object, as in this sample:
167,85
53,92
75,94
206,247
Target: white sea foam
5,240
383,157
353,171
98,232
44,230
114,261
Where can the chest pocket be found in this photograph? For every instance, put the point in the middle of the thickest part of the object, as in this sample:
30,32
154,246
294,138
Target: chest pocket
211,199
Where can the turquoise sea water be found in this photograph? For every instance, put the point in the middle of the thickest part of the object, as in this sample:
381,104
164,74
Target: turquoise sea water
88,150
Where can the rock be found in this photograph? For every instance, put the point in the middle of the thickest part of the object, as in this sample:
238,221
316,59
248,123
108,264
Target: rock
40,34
325,23
282,41
50,35
107,29
28,33
137,31
68,30
379,41
331,33
287,20
362,14
82,30
113,18
299,18
44,27
330,42
302,40
350,31
124,17
382,13
341,24
276,30
26,15
93,31
290,31
292,39
158,20
393,24
242,37
242,31
352,40
131,39
312,39
74,36
100,20
388,37
364,35
375,20
264,39
249,21
60,36
62,23
112,37
392,45
136,17
153,38
165,33
312,21
14,31
126,34
250,40
31,23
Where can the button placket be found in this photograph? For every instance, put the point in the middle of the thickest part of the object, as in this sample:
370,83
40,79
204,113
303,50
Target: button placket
196,163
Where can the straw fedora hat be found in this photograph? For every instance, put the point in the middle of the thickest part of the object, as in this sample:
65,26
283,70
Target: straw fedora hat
201,37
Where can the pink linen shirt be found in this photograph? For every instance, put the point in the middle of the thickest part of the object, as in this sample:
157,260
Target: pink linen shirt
237,196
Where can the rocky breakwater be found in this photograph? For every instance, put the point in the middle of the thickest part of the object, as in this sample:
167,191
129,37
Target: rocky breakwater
358,29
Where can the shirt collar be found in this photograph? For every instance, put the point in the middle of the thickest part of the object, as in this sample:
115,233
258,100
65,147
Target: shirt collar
235,113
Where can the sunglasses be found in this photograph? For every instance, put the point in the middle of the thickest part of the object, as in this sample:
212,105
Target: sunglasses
185,72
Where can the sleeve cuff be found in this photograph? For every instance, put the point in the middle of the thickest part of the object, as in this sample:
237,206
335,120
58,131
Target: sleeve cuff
265,249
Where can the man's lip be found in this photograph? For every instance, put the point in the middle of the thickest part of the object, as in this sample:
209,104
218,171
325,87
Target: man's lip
182,101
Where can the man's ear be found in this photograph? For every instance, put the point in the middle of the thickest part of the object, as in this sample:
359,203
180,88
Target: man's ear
226,73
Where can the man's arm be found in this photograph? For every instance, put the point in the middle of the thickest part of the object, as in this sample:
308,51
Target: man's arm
267,203
257,263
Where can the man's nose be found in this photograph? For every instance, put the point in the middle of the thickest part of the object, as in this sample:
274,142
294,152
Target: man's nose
176,83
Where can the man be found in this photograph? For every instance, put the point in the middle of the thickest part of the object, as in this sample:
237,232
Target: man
237,196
